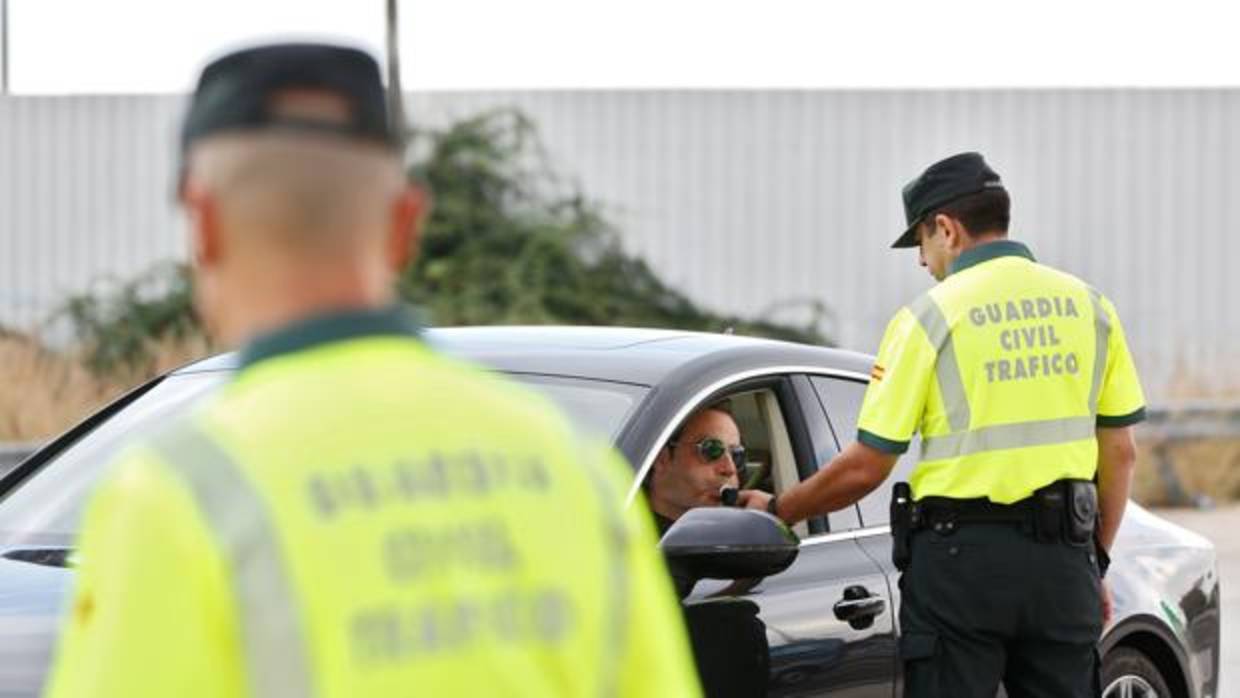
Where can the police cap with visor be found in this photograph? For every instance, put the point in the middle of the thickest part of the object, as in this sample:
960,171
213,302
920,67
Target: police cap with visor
237,93
942,183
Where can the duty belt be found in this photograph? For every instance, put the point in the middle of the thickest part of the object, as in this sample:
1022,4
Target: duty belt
1066,510
942,513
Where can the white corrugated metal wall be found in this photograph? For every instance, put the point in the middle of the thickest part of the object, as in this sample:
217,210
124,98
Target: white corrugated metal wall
746,199
85,194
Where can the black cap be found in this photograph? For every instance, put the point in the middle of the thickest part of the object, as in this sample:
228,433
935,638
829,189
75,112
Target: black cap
234,93
941,183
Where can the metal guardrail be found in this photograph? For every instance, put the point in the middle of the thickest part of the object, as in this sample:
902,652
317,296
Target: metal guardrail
1200,420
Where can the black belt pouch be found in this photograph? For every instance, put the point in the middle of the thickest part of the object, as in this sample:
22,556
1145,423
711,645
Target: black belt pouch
1050,513
1082,511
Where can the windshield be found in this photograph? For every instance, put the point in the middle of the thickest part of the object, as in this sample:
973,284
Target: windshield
45,509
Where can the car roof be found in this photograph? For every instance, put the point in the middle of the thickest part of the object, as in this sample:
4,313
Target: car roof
641,356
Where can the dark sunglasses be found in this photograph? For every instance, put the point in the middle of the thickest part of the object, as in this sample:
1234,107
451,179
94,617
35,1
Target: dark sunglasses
712,449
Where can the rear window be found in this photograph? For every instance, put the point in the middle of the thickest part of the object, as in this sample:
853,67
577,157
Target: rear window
595,407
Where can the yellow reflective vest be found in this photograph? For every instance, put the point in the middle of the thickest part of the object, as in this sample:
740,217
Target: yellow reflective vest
1005,368
357,516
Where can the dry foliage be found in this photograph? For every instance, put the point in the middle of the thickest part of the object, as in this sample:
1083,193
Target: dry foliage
44,392
1209,467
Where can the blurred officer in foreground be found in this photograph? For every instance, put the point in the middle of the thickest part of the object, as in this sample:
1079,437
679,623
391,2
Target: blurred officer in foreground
1019,380
354,515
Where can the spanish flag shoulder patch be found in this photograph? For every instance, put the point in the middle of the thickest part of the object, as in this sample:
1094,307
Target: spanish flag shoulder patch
877,372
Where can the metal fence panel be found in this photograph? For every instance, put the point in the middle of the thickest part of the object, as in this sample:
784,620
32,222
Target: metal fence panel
745,199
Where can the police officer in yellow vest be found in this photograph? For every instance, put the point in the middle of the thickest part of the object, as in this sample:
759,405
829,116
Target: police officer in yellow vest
1018,379
354,515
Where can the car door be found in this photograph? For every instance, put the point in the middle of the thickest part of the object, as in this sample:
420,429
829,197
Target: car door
841,397
828,618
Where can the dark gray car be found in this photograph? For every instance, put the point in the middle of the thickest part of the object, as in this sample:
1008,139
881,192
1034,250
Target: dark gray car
828,620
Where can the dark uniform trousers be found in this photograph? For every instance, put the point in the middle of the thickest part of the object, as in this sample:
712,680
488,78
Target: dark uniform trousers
987,604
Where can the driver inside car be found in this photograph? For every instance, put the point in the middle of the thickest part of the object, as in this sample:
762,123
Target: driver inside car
699,462
702,459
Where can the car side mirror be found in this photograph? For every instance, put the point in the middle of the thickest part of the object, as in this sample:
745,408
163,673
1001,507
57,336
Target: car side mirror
726,543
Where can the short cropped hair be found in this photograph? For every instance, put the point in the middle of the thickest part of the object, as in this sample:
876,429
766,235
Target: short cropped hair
987,211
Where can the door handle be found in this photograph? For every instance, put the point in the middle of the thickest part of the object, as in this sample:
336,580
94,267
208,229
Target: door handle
859,607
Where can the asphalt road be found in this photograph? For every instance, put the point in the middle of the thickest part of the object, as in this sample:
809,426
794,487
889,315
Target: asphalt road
1220,526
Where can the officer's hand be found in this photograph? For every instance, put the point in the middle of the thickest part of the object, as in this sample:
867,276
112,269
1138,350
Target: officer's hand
1107,608
753,499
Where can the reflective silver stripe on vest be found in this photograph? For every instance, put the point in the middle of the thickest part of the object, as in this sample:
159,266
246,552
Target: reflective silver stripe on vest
947,368
1102,337
1003,436
271,632
613,647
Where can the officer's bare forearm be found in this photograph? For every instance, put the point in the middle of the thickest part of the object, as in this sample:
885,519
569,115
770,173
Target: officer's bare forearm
851,475
1116,455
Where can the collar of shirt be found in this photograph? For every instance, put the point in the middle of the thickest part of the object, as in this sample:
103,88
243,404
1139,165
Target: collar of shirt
989,251
331,327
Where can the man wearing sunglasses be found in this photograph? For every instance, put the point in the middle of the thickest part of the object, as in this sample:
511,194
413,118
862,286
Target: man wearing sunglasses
702,457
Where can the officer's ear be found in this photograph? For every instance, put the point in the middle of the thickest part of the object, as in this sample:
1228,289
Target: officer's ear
202,218
954,234
410,211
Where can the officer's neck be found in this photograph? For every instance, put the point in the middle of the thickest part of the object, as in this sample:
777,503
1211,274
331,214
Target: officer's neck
972,242
281,300
969,242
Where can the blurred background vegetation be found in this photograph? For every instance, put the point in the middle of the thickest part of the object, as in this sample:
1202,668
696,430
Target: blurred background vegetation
509,241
